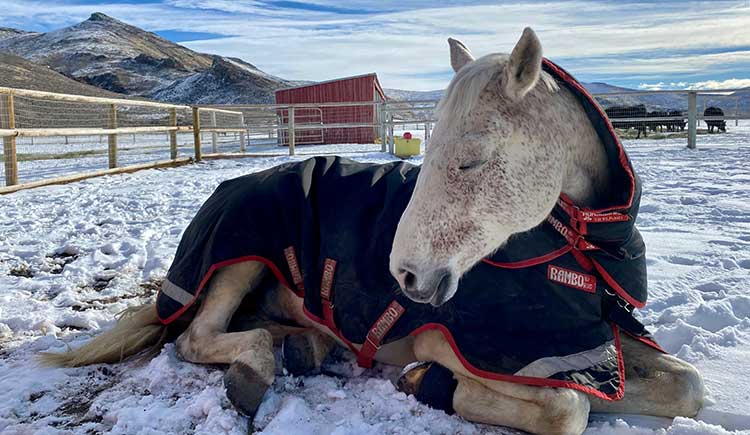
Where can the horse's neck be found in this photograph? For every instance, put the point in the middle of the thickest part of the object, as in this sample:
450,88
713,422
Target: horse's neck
586,179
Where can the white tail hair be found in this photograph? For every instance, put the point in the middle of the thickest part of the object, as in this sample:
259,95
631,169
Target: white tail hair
137,329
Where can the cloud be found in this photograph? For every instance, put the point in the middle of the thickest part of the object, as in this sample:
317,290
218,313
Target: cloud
404,41
662,86
705,85
723,84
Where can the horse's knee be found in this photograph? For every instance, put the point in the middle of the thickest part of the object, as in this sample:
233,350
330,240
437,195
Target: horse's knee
199,345
563,411
685,389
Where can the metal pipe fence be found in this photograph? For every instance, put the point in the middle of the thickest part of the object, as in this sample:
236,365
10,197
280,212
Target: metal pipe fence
674,113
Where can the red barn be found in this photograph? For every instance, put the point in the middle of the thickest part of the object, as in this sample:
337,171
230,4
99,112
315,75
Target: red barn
363,88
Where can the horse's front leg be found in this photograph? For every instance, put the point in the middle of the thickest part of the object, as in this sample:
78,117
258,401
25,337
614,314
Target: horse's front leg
249,353
656,384
534,409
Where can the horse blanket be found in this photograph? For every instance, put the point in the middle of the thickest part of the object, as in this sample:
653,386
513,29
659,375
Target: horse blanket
543,310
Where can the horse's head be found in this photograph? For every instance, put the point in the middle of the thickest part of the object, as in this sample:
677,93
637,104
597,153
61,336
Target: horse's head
491,170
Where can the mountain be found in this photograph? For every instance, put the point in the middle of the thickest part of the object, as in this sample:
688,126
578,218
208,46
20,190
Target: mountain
17,72
107,53
404,95
227,80
7,32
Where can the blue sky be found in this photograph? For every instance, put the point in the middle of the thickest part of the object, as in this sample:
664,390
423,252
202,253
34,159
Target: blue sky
651,45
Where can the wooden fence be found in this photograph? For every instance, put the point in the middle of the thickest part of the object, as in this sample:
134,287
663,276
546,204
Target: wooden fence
27,113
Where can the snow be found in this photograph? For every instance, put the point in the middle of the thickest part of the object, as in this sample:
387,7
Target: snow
93,248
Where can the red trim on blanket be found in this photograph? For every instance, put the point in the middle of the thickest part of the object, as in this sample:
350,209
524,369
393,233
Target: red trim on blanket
531,261
647,341
276,271
615,286
539,382
567,78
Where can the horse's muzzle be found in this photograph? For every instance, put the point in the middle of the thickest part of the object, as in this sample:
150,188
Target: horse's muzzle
434,287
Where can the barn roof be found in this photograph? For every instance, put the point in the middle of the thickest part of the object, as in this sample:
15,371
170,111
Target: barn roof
340,79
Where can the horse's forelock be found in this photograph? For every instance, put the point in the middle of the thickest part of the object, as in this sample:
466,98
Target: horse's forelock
466,87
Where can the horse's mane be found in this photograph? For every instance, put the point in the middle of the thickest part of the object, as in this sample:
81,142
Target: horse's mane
466,87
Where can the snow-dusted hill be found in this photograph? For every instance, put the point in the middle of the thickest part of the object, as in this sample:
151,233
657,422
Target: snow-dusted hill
226,81
118,57
73,256
17,72
404,95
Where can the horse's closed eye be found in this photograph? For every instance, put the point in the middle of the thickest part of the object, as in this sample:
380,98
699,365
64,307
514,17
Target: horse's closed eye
476,164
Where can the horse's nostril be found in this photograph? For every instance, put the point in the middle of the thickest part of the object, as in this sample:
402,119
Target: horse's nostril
407,279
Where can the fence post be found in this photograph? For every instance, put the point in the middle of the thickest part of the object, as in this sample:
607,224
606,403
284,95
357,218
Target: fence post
242,133
112,138
290,133
214,135
197,133
383,131
392,138
9,148
737,111
173,133
692,118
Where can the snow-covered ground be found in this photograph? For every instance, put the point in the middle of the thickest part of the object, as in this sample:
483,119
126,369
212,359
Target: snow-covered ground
72,256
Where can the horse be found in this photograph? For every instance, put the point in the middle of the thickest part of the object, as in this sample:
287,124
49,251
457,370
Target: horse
509,143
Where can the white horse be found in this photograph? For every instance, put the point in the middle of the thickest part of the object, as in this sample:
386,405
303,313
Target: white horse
508,142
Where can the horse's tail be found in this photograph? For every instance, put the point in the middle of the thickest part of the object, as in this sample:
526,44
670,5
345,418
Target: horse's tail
137,329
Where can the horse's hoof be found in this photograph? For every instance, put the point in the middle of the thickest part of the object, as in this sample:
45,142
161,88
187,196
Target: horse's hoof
298,355
245,388
430,383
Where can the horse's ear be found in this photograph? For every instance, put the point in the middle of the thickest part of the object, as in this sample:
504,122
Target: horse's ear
460,55
524,66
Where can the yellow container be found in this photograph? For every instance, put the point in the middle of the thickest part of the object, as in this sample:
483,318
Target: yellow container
406,148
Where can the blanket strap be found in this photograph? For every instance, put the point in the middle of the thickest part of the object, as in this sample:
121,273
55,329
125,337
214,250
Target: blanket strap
291,260
326,292
378,331
579,218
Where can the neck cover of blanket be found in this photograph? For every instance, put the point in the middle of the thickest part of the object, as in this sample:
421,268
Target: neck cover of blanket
544,310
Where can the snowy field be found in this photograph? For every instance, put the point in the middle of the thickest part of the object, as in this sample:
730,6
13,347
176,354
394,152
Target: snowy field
72,256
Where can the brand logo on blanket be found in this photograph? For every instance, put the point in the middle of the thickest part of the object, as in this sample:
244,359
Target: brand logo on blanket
571,278
560,227
291,260
329,268
385,322
573,238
